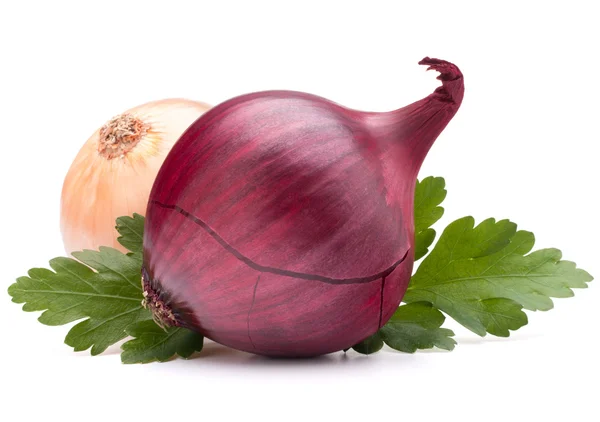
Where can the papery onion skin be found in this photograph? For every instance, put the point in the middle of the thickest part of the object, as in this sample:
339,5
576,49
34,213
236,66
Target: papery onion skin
282,223
101,187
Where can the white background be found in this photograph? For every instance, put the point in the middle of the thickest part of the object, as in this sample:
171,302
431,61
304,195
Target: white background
523,146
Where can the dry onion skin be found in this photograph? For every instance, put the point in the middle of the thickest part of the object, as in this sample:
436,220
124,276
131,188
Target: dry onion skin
114,171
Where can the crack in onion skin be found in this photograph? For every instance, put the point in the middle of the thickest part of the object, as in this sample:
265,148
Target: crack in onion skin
270,188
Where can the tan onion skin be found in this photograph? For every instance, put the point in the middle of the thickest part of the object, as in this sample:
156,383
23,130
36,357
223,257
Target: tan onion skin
97,190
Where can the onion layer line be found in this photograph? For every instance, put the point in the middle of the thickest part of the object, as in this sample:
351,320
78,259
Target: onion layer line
278,271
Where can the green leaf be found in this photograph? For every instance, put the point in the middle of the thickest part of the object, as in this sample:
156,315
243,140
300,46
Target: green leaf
131,230
370,345
107,292
483,276
109,297
417,326
429,194
152,343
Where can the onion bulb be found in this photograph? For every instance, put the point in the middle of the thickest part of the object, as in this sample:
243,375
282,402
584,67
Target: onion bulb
281,223
114,171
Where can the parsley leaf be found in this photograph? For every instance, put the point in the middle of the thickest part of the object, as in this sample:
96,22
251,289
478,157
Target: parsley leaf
152,343
482,276
109,297
131,230
107,292
369,345
429,194
413,326
417,326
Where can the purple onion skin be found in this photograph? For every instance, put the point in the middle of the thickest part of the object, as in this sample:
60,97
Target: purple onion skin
281,223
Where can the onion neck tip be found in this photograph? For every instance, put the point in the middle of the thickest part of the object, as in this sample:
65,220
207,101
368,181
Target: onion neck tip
120,135
452,89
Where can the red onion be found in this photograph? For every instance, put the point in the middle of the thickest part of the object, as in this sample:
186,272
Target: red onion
281,223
